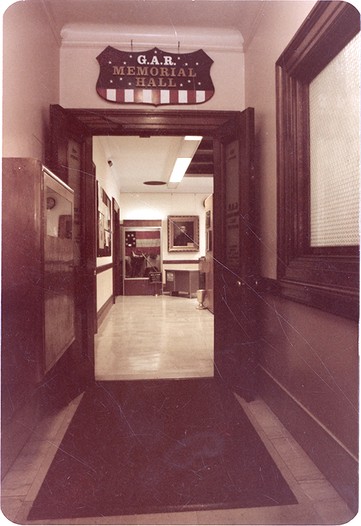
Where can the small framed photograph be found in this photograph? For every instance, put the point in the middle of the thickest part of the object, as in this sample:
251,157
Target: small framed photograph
104,223
183,233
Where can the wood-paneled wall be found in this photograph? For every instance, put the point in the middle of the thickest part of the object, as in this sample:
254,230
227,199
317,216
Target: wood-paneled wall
308,374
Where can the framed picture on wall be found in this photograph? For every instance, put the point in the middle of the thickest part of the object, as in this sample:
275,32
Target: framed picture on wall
208,219
104,224
183,233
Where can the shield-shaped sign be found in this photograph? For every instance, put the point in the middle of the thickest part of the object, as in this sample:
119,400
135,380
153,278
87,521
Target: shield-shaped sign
154,77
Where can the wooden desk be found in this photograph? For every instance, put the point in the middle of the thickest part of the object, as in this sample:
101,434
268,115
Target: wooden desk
182,281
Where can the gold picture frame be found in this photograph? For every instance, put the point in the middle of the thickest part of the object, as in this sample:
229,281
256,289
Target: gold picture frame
183,233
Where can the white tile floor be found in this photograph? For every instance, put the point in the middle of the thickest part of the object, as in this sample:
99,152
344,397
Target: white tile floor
318,502
150,337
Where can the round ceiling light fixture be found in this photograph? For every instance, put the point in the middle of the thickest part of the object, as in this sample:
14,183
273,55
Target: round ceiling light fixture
154,183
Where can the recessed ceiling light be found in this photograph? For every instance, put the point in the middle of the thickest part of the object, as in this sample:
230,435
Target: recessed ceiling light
154,183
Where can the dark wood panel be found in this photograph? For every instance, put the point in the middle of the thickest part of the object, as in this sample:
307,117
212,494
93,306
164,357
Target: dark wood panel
314,355
327,277
22,282
338,466
329,26
180,262
117,251
142,222
69,155
26,393
138,287
208,266
335,301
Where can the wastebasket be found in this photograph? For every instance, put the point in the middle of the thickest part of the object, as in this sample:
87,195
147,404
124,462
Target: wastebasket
201,294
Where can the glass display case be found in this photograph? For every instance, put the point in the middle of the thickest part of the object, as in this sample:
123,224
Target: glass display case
142,259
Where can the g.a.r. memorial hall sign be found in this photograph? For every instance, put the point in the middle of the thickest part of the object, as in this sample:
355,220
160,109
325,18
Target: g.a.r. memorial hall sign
154,77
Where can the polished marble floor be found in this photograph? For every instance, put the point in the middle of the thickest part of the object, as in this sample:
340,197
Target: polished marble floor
318,502
152,337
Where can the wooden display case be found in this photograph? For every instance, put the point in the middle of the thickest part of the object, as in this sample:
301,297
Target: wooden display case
182,282
37,287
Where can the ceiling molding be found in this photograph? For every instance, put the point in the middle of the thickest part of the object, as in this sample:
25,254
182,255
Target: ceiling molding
255,25
97,35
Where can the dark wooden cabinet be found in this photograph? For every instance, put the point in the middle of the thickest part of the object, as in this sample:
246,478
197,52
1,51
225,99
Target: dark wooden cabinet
37,285
208,263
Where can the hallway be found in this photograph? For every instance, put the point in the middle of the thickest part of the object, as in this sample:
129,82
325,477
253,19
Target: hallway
318,502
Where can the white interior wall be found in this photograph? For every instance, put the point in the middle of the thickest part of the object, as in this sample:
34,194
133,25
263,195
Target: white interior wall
108,183
79,71
30,79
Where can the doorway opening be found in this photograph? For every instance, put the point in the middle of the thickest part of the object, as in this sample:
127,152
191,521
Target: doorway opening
164,333
235,212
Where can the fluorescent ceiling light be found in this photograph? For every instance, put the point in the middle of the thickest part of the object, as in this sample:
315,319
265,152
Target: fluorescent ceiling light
185,155
179,169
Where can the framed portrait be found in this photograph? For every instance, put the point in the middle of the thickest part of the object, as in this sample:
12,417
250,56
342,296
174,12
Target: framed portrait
183,233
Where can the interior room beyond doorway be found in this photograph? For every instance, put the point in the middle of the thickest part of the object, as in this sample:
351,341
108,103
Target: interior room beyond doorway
155,332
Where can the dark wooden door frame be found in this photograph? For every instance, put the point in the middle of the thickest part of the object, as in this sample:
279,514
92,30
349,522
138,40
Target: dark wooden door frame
117,267
64,128
166,123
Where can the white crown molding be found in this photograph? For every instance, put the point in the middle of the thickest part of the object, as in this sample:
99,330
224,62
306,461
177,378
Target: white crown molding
140,38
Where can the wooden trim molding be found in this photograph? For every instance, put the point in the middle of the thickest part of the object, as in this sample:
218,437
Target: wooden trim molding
104,268
103,311
334,301
181,262
142,222
335,461
326,278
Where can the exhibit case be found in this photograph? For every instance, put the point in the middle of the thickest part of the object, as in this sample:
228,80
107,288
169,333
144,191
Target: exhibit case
37,312
142,257
37,272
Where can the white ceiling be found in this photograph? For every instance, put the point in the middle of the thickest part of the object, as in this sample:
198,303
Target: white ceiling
189,22
135,160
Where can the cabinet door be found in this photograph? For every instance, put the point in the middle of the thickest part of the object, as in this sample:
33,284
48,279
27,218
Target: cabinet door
69,156
58,269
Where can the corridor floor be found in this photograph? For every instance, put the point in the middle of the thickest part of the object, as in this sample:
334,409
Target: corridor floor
318,502
151,337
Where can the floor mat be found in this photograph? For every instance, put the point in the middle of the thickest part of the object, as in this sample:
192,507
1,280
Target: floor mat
156,446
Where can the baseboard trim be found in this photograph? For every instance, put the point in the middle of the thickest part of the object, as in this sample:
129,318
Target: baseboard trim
16,433
56,390
103,311
334,460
